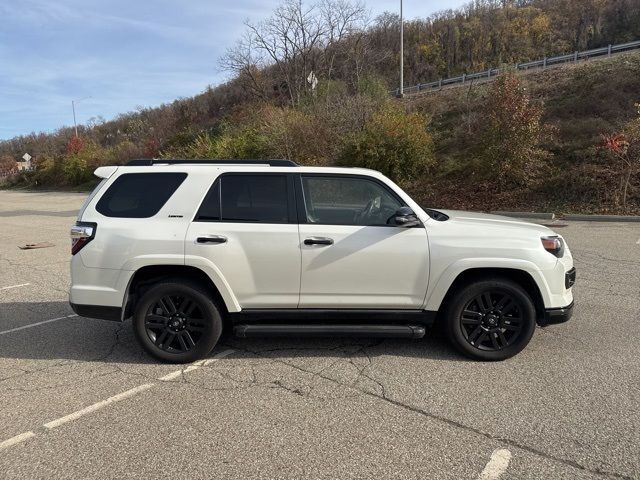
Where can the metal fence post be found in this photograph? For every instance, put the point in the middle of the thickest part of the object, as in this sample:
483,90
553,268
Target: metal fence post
489,73
544,62
609,51
440,84
575,57
517,66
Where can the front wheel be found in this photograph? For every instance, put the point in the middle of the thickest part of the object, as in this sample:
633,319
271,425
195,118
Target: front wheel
491,319
177,322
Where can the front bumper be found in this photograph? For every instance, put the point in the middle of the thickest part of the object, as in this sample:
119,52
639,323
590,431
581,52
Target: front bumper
553,316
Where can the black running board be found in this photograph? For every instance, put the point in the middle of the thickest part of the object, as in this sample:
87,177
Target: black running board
319,330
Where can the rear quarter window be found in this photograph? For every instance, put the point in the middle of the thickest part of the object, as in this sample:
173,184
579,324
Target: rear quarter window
139,195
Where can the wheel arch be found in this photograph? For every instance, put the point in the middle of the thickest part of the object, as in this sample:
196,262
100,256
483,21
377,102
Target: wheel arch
147,276
519,276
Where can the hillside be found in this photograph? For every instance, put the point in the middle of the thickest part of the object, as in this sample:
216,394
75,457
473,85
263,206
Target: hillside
525,142
581,104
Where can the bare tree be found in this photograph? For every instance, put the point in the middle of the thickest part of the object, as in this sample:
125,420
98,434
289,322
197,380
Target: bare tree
345,23
296,40
243,60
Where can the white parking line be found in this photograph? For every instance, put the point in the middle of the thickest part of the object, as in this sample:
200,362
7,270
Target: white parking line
497,465
17,439
116,398
195,366
15,286
97,406
36,324
217,357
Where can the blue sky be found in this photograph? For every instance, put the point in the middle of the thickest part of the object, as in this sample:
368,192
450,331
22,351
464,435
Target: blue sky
121,54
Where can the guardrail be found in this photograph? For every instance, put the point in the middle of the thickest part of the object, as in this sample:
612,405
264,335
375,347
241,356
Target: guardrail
544,63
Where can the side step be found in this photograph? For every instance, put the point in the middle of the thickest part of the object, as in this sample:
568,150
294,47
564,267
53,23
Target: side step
376,330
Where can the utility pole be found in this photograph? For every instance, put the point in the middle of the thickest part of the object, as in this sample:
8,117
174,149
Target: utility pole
401,91
73,107
75,125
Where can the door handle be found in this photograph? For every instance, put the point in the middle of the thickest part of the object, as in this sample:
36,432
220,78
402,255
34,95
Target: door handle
318,241
212,239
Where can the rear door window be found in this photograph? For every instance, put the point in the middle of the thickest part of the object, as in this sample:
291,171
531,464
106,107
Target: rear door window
139,195
248,198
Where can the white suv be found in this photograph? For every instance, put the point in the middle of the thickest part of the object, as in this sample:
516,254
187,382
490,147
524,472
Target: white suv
187,248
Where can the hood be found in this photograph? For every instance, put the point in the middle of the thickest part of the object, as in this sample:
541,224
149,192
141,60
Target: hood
485,220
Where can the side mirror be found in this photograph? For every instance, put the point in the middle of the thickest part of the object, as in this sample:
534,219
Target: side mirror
405,218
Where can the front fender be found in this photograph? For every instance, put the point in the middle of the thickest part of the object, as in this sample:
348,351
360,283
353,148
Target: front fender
443,282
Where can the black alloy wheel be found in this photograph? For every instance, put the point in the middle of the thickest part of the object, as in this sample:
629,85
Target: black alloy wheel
490,319
177,321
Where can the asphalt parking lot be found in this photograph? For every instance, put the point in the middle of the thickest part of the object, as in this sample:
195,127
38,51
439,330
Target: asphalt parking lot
80,399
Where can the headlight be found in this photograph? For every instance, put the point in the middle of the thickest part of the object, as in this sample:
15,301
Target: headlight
553,245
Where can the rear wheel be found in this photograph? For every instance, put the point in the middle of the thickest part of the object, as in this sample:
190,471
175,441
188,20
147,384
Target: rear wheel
177,322
491,320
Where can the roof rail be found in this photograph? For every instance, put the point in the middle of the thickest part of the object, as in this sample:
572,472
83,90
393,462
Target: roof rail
147,162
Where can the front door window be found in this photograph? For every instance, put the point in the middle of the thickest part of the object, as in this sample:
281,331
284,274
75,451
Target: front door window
347,201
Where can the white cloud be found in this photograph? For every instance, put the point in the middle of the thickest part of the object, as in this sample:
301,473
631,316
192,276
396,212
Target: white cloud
123,53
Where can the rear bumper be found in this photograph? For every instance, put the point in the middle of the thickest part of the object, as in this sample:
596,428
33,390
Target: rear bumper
553,316
98,311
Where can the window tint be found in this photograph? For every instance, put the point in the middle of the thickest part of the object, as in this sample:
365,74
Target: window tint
347,201
254,198
210,208
139,195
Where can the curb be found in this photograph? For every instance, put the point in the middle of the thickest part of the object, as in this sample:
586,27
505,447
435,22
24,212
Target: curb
569,217
602,218
542,216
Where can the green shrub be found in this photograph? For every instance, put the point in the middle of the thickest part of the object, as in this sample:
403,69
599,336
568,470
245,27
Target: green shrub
512,134
76,170
47,171
81,161
244,142
394,142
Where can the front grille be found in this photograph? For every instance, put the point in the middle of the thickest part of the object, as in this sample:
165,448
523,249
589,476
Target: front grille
570,278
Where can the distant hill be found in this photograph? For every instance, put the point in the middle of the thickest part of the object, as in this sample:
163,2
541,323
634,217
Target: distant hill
268,109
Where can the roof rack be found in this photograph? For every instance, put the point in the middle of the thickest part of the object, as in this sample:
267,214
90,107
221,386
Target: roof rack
148,162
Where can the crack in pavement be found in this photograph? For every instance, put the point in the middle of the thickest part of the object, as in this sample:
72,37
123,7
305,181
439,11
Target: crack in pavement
99,359
447,421
350,355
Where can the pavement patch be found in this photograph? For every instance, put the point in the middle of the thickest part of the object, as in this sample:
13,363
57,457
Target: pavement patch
497,465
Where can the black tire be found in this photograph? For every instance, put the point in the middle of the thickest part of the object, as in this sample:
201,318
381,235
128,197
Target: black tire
177,321
490,320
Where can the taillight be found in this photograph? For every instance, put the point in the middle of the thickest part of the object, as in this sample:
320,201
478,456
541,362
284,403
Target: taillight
81,234
553,245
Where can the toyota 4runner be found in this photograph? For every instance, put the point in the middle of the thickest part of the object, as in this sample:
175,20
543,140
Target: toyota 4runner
189,248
